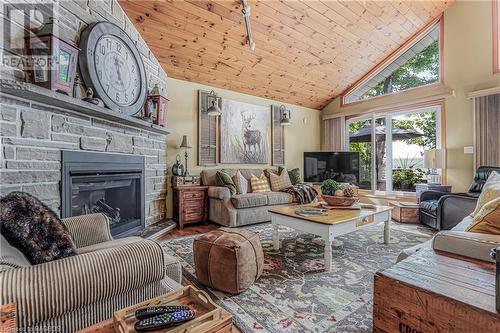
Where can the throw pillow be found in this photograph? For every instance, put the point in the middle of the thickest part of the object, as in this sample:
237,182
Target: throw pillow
241,183
491,190
280,182
487,221
268,172
294,175
224,179
259,184
34,229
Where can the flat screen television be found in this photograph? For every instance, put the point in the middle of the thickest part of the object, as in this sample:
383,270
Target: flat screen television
340,166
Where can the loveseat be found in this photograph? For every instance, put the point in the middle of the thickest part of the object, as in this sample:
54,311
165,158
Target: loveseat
458,241
456,213
240,209
106,275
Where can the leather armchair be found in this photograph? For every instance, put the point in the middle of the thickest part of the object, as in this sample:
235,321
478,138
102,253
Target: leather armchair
443,211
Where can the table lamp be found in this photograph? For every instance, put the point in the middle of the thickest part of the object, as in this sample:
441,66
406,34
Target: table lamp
186,145
434,159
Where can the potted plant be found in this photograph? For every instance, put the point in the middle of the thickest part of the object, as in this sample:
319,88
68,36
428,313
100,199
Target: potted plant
405,179
336,194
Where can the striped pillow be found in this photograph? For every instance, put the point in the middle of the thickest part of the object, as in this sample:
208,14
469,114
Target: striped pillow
241,183
259,184
280,182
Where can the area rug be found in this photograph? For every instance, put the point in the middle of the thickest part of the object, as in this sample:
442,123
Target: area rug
295,294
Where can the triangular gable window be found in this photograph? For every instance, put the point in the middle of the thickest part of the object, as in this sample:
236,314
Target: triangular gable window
418,66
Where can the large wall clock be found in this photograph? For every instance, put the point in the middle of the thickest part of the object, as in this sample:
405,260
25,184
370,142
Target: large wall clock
111,64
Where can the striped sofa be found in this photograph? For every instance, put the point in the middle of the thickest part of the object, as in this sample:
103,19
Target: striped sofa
72,293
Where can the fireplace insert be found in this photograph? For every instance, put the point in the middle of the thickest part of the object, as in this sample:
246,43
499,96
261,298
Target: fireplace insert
112,184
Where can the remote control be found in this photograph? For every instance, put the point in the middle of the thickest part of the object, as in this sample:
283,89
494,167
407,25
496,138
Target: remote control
158,322
158,310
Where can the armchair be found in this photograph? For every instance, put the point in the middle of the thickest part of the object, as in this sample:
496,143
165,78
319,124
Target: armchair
443,211
106,275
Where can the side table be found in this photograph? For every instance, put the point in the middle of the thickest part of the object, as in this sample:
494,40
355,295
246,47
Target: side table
190,204
419,188
405,212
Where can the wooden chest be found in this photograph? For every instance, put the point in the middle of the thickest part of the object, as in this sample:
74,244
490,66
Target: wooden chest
404,212
428,293
190,204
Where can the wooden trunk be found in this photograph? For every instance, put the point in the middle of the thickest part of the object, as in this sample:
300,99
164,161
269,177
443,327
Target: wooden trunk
404,214
429,293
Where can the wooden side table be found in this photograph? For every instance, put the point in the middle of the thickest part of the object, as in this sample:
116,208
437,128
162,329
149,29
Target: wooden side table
404,212
431,292
419,188
190,204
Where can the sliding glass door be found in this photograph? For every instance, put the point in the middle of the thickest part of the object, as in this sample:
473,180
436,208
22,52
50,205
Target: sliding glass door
392,145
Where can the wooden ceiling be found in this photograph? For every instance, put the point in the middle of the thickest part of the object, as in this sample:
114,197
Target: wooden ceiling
307,52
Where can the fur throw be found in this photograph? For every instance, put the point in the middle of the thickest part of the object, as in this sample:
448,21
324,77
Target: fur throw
34,229
302,193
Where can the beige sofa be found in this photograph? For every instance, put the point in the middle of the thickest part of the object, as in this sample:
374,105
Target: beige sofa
240,209
106,275
460,242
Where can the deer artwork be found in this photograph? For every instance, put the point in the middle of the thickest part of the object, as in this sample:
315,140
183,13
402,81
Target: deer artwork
251,138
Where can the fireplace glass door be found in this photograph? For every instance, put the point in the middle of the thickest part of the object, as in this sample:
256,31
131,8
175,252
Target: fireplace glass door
118,196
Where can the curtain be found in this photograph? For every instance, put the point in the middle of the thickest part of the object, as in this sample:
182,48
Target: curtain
333,134
487,129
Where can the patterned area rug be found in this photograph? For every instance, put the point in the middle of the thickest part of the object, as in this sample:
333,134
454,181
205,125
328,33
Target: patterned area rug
294,293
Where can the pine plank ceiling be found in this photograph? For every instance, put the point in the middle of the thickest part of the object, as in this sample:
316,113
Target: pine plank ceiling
307,52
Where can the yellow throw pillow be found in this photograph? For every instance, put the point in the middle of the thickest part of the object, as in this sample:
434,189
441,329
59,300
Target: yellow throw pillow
280,182
491,190
259,184
487,221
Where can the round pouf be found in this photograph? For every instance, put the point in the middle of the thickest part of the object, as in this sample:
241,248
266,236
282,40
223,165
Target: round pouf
228,259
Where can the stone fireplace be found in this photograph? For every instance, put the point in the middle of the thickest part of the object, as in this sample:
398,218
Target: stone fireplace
36,138
37,124
111,184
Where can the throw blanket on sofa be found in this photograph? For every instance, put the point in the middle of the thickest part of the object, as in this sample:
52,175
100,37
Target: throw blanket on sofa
302,193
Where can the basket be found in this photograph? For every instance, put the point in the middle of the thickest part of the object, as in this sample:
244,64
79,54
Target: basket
334,200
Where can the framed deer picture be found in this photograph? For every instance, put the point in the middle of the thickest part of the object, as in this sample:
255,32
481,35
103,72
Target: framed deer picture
245,133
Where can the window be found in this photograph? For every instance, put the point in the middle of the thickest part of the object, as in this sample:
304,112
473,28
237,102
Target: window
394,162
418,66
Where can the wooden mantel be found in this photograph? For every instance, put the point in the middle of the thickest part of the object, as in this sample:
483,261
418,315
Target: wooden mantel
38,94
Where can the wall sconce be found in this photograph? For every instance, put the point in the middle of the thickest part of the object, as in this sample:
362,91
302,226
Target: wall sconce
285,116
213,110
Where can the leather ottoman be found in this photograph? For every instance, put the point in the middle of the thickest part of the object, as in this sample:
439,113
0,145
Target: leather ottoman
227,259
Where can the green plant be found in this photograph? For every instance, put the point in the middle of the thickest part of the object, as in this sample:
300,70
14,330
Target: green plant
408,177
329,187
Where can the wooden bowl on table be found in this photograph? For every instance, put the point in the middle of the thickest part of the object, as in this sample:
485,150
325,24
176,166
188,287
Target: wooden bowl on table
335,200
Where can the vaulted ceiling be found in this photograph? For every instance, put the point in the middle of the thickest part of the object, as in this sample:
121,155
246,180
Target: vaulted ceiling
307,52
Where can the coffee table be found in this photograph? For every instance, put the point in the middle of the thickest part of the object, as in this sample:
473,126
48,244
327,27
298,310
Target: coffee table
335,223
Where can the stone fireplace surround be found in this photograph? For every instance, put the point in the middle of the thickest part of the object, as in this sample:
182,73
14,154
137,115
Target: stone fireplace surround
36,124
33,134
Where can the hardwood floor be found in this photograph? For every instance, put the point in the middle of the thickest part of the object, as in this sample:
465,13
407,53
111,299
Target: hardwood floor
190,229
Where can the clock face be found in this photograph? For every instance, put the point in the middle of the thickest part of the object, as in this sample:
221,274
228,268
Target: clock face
111,64
117,70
